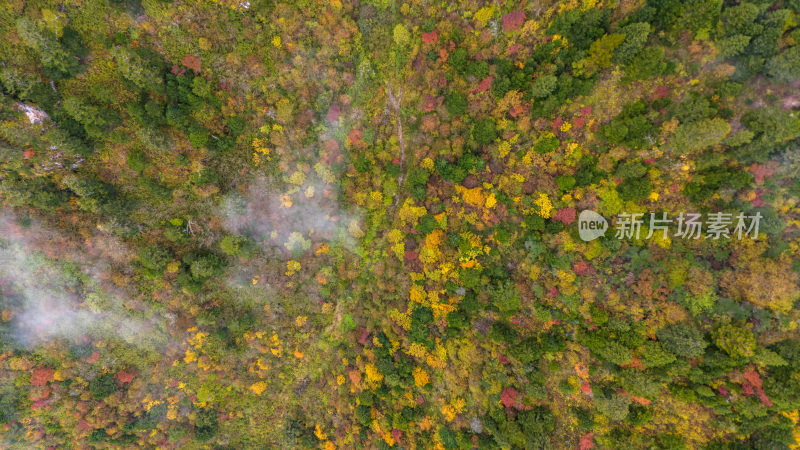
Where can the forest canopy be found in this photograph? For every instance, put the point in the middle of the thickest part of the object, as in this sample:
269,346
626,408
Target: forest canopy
360,224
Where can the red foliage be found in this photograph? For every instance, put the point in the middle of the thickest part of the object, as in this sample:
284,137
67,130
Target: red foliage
757,200
334,112
517,110
355,135
29,153
513,20
760,172
586,388
191,62
565,215
430,38
364,336
660,92
752,385
581,268
331,145
509,397
514,49
41,376
177,70
124,376
483,86
587,441
396,434
37,395
557,124
93,358
431,103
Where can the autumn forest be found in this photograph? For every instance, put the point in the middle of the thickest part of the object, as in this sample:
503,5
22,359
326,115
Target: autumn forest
341,224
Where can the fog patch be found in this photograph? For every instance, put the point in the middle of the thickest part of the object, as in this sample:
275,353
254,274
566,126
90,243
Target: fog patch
291,219
49,294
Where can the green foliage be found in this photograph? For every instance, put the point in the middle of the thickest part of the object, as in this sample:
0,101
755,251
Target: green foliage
698,135
683,340
484,131
738,341
205,424
455,103
543,86
785,66
233,245
635,38
102,386
548,143
615,407
505,296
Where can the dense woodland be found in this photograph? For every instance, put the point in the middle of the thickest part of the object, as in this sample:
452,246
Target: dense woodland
342,224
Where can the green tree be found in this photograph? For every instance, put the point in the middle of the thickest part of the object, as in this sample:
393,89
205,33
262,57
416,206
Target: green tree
698,135
785,66
484,131
635,37
737,340
455,103
683,340
543,86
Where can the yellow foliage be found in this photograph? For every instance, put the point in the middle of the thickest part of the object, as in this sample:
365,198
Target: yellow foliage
190,356
298,177
426,163
292,267
417,294
473,197
504,148
402,319
484,15
425,423
410,214
258,387
449,413
373,375
388,438
491,201
421,377
173,267
319,434
417,350
355,229
545,207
